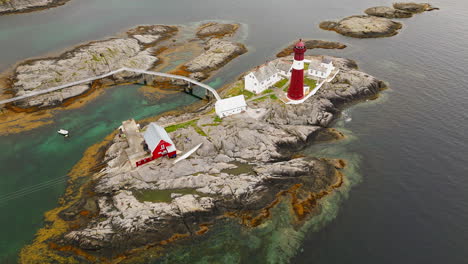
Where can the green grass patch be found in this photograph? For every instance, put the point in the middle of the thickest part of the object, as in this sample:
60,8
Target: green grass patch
267,91
217,119
173,128
192,123
274,97
200,131
96,58
213,124
280,83
239,89
261,98
306,66
309,82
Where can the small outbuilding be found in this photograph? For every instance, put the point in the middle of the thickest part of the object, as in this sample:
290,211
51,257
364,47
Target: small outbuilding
230,106
158,144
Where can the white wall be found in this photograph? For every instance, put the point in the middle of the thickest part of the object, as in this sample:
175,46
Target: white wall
231,112
252,84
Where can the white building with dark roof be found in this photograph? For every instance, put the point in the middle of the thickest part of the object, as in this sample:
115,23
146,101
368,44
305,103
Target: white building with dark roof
267,75
320,69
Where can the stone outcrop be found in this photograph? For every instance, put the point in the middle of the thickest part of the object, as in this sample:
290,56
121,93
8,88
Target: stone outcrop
363,27
387,12
214,29
217,53
90,60
312,44
245,160
21,6
138,51
414,7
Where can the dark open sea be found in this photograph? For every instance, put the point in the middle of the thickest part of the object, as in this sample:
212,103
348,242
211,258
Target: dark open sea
407,200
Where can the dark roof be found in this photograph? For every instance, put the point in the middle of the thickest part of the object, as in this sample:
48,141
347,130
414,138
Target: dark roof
326,60
264,72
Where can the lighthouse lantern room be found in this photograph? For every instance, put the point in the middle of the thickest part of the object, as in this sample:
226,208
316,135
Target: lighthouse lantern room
296,86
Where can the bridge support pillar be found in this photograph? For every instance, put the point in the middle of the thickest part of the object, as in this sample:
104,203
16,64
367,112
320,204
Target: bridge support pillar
208,95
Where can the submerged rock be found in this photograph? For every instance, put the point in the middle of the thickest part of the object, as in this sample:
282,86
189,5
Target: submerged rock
387,12
363,27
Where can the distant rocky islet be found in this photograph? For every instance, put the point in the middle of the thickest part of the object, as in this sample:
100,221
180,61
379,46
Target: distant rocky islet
377,22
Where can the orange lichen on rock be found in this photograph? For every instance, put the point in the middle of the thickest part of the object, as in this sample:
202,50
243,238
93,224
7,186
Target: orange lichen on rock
181,70
76,251
203,229
84,213
300,207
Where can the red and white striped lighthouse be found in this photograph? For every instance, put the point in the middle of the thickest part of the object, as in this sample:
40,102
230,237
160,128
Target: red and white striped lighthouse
296,86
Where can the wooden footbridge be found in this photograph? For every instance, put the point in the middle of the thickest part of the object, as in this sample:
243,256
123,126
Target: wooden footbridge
124,69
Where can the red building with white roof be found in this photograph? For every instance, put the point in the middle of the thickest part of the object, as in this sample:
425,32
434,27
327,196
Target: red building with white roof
159,144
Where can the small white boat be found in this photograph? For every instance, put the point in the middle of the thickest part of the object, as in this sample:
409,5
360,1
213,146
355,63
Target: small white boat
63,132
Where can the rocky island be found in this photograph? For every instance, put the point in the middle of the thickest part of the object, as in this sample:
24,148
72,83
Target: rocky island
23,6
376,23
138,50
247,165
146,47
312,44
363,26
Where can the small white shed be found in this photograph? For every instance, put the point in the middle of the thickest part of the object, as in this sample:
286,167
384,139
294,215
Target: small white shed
230,106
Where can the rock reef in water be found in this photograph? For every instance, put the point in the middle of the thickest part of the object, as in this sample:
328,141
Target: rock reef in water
363,27
138,50
23,6
377,23
387,12
218,52
214,29
414,7
312,44
245,162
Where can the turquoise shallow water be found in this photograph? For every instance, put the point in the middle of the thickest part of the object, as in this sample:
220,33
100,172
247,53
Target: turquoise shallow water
411,203
34,157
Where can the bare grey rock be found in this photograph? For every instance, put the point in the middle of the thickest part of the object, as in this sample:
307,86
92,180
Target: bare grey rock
216,30
414,7
218,52
20,6
387,12
93,59
363,26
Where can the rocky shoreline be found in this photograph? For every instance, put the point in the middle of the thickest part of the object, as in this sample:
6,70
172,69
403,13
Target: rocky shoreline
377,22
312,44
246,164
25,6
139,49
